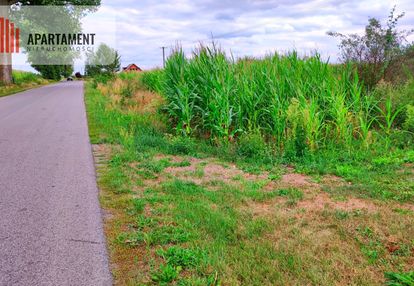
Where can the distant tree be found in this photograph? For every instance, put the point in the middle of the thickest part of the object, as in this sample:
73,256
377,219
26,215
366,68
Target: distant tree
105,60
376,49
54,72
48,70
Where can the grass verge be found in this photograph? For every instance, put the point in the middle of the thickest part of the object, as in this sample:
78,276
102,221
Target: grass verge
22,81
184,212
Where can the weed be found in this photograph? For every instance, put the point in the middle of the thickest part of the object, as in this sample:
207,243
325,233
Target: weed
166,234
166,274
178,256
294,195
251,146
341,214
138,206
400,279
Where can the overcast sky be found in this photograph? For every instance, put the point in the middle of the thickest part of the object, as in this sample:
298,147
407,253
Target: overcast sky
244,27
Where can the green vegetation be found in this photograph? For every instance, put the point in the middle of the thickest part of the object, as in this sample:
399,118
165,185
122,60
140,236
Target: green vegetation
274,171
400,279
189,211
54,72
21,81
379,52
297,106
22,77
105,61
66,20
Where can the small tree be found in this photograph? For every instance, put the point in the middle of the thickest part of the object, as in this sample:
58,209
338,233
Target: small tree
376,49
104,61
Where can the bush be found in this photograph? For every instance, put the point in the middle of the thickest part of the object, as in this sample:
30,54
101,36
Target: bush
54,72
102,78
401,138
251,145
128,90
374,52
401,96
409,118
182,145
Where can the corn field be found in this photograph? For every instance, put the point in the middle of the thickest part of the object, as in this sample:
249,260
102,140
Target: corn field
286,100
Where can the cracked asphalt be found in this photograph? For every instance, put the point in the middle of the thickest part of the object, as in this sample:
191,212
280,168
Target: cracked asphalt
51,229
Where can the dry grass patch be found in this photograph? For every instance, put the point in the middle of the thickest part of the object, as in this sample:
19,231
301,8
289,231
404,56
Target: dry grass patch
317,239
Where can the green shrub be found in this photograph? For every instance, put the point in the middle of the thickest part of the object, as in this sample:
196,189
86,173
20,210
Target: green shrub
102,78
178,256
128,90
251,145
182,146
166,274
409,118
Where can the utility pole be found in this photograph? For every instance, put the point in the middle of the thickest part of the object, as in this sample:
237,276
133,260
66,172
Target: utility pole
163,56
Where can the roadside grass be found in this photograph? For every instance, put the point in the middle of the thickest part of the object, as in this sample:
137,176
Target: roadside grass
181,211
22,81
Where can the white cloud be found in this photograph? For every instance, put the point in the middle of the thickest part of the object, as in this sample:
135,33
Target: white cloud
246,27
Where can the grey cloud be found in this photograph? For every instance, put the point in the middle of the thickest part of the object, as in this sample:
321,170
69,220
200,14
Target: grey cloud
246,27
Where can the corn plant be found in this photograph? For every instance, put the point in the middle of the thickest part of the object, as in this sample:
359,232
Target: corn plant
312,122
285,98
365,119
389,115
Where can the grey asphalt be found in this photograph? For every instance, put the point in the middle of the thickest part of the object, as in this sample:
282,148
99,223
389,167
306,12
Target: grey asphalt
50,220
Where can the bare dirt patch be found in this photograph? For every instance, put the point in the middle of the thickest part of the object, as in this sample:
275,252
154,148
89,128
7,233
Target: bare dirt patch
333,181
204,171
323,200
214,171
293,180
258,209
171,158
177,171
102,153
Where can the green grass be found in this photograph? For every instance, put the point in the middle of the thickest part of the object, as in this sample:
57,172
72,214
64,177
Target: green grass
400,279
20,77
22,81
170,230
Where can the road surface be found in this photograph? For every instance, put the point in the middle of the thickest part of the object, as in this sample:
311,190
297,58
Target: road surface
50,220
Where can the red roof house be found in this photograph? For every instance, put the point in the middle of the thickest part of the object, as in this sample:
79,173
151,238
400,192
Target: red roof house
132,67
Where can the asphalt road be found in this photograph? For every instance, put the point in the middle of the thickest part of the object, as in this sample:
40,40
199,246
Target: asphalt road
50,220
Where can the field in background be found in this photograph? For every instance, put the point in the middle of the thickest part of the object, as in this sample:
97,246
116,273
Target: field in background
201,189
21,81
